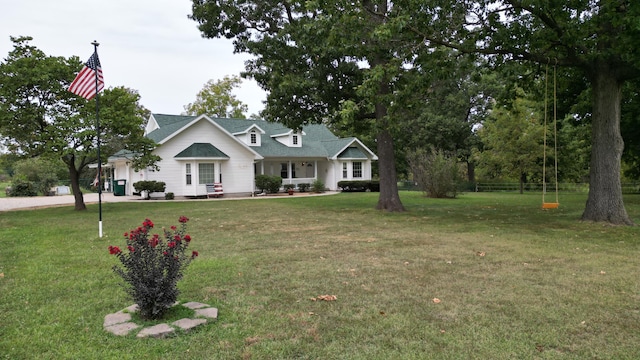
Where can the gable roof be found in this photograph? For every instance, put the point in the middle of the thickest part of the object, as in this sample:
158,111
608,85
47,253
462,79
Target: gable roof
318,141
352,153
202,150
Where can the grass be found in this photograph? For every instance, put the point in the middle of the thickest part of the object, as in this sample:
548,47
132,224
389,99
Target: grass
513,281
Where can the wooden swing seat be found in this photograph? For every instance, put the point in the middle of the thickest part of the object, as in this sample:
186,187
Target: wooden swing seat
550,205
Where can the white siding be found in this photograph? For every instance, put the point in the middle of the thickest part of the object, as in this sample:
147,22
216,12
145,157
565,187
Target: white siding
237,172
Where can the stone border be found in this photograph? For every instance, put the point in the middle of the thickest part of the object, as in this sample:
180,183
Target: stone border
120,323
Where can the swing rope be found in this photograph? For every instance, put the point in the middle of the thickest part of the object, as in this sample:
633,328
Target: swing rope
546,205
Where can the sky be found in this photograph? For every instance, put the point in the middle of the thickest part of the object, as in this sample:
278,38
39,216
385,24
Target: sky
147,45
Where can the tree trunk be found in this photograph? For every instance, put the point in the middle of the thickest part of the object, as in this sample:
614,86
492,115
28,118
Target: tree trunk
471,171
389,198
605,202
74,175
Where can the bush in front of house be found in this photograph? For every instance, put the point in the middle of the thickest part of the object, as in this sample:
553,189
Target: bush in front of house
317,186
149,186
359,185
269,184
288,187
303,187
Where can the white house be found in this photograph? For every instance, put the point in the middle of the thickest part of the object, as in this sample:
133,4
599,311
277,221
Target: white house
200,150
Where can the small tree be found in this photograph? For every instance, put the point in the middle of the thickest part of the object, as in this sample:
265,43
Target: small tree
216,99
436,173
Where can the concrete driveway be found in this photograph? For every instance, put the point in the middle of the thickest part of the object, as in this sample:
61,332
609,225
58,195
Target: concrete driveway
34,202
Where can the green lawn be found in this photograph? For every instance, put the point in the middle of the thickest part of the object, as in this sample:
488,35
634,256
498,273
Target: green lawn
514,282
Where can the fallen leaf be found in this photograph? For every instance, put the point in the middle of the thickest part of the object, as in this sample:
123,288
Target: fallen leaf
442,331
481,253
327,297
436,301
382,313
602,272
1,275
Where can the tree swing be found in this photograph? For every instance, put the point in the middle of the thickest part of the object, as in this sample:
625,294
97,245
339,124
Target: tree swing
550,205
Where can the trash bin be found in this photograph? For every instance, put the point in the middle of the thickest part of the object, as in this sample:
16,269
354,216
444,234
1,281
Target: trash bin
119,187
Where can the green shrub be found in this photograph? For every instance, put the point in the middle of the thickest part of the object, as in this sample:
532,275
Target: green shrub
42,173
149,186
435,172
22,187
169,196
317,186
303,187
288,187
270,184
359,185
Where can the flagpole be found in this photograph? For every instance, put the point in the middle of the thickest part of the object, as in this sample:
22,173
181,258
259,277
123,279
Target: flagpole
95,50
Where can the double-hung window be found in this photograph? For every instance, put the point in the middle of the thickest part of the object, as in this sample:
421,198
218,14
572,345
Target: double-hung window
188,174
357,169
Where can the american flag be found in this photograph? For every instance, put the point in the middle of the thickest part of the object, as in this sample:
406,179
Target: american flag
85,82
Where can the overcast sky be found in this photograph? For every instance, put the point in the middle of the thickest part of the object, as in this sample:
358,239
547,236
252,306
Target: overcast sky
147,45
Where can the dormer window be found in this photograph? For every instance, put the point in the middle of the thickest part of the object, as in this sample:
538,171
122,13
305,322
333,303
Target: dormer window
295,139
254,138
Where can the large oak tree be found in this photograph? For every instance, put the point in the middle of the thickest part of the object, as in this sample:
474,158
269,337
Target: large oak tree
599,38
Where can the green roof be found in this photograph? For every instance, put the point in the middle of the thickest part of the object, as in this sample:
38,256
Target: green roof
317,141
201,150
352,153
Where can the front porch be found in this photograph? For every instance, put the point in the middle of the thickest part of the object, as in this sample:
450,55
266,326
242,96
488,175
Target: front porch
291,171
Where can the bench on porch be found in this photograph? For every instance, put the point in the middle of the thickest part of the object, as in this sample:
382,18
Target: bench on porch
214,190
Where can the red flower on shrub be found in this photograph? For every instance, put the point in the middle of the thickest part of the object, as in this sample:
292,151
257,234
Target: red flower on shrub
131,248
187,238
173,227
183,219
177,238
171,244
147,223
155,240
113,250
194,254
